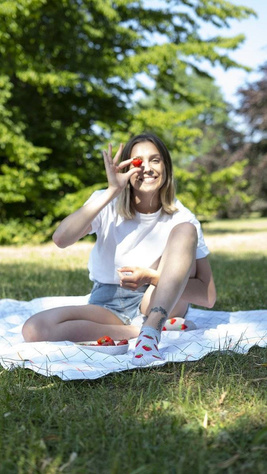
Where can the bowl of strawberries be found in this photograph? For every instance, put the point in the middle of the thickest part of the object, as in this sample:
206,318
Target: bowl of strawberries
106,345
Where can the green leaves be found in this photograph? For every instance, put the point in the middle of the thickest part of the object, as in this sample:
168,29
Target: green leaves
209,194
70,73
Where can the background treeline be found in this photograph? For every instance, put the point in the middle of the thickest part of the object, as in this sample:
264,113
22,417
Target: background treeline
77,74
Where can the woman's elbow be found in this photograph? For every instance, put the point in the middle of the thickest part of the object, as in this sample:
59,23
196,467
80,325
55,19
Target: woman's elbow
57,239
211,299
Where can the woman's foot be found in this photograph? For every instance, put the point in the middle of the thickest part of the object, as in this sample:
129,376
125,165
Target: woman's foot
146,349
178,324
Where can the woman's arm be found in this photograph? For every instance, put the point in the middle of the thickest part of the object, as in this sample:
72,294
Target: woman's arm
200,289
78,224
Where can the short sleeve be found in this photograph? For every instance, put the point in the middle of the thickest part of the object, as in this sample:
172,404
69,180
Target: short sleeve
96,223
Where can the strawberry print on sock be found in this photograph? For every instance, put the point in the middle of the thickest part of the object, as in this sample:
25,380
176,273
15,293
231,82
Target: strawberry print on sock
146,348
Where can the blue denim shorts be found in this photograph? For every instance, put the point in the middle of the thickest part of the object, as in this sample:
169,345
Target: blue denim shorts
124,303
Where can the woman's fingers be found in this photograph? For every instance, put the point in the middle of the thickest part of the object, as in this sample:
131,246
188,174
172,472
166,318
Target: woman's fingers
118,154
114,168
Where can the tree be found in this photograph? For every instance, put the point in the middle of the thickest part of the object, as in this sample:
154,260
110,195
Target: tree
204,145
254,109
69,72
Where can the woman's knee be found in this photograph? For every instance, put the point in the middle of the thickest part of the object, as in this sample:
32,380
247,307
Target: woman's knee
34,330
184,232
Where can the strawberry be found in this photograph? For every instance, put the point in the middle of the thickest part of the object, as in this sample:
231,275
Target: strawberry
148,337
147,348
156,357
108,343
173,320
183,327
138,356
164,329
122,342
137,162
104,339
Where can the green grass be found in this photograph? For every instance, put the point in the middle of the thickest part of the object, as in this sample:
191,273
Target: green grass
209,416
236,226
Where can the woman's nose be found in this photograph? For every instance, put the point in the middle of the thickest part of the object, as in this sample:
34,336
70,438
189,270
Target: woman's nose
146,165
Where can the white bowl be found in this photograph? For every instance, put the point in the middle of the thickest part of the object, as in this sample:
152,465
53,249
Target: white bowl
111,350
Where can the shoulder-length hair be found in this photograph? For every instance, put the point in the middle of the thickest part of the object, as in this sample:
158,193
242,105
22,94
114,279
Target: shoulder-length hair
125,202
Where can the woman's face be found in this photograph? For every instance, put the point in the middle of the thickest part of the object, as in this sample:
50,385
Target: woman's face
153,173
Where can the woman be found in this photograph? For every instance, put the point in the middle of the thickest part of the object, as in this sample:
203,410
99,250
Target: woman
149,261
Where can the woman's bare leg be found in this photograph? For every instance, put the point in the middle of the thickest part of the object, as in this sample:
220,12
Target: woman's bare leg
76,323
180,307
175,268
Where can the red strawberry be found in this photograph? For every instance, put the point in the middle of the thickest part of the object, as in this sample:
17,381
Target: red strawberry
183,327
138,356
137,344
108,343
104,339
156,357
147,348
137,162
173,320
122,342
164,329
148,337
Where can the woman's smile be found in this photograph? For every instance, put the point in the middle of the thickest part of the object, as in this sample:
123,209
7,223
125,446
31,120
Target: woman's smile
151,177
152,170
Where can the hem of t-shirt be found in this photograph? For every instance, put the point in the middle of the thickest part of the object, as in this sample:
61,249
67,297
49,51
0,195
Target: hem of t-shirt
201,253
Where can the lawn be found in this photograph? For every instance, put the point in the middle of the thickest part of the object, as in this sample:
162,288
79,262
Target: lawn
199,417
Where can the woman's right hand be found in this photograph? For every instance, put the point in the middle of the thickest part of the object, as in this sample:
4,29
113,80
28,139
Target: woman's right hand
116,179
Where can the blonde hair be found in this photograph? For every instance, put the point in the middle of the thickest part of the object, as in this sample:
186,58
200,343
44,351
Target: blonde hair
125,201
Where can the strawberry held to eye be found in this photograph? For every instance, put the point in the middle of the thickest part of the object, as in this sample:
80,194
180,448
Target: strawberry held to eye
137,162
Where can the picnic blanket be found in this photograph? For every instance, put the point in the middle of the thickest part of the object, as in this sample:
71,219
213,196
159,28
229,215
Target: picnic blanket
215,330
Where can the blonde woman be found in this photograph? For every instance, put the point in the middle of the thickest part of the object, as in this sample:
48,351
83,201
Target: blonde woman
149,261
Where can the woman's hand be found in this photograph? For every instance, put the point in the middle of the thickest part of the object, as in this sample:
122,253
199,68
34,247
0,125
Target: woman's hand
116,179
134,277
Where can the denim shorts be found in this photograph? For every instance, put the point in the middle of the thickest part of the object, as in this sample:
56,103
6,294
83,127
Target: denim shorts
124,303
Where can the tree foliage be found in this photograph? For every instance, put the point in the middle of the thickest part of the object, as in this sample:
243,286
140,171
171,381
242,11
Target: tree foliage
69,73
254,109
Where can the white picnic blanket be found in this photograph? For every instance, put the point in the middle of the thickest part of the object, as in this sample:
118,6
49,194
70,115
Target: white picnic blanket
216,330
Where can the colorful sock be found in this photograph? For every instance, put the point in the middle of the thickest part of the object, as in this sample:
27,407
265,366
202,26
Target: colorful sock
178,324
146,348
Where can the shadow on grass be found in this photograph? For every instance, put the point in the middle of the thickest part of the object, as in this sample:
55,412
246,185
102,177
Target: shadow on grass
26,281
240,281
143,421
230,230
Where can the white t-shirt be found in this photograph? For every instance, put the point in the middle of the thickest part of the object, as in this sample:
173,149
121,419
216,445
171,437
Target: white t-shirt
134,242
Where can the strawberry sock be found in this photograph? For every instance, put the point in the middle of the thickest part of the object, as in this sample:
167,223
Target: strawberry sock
178,324
146,348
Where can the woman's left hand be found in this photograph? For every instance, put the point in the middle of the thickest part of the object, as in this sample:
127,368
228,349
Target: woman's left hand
134,277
